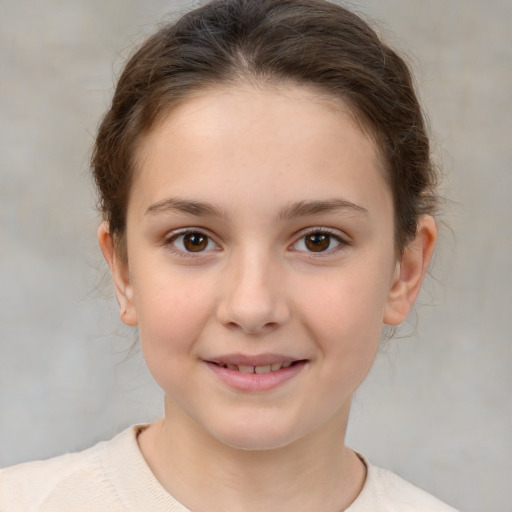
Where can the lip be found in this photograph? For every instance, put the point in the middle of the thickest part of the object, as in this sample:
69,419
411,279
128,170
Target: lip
254,382
256,360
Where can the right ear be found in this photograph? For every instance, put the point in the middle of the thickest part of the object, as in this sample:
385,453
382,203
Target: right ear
120,276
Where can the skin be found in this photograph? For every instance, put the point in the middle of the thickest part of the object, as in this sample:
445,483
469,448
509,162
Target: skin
255,171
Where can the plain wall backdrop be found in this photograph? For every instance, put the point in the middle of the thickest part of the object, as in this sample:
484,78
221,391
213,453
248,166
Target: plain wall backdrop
436,408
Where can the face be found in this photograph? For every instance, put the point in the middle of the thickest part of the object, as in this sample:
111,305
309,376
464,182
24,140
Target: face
261,263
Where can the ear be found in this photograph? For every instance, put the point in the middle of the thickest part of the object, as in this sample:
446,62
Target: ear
410,271
120,276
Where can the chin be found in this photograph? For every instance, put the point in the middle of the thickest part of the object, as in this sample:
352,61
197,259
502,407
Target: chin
255,437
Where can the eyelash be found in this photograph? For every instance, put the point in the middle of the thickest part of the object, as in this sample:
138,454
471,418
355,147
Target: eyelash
333,235
171,240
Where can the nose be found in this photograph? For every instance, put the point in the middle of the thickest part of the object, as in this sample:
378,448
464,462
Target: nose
254,297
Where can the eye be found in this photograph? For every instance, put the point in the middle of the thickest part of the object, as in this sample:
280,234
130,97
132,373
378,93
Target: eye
192,241
318,241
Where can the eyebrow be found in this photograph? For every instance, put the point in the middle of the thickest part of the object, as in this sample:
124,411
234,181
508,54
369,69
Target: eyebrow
298,209
197,208
305,208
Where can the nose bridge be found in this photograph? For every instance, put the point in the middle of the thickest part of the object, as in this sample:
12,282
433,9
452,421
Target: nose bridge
253,299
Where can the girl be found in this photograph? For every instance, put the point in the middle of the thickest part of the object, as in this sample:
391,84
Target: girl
267,197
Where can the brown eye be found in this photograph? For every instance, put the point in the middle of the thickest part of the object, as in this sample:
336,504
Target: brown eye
193,241
317,242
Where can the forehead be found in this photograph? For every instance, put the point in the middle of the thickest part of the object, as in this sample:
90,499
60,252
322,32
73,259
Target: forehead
292,138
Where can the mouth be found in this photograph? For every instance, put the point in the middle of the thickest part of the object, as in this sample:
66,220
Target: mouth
264,372
259,369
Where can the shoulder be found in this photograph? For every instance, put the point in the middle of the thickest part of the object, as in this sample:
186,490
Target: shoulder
387,492
60,483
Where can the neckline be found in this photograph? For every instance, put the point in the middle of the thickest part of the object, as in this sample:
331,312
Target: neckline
133,480
139,489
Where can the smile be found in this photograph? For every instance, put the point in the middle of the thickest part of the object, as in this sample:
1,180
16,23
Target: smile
255,374
256,369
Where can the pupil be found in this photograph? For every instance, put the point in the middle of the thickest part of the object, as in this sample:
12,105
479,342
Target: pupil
318,242
195,242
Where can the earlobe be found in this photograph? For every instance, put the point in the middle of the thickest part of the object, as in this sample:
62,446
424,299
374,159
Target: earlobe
120,276
410,271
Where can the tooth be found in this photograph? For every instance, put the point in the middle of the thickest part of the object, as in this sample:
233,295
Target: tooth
262,369
246,369
287,364
233,367
275,366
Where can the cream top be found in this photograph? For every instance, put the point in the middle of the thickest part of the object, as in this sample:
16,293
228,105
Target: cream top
113,476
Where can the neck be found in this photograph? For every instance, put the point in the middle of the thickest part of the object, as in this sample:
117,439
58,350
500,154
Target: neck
314,473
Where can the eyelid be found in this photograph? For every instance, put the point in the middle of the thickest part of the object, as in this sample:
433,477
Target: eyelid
172,236
342,238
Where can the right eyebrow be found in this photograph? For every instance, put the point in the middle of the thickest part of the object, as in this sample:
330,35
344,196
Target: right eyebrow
174,204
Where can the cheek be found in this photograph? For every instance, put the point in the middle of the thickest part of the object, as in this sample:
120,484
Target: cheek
172,312
344,313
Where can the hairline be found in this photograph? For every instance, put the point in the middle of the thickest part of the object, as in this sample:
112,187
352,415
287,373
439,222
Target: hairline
240,79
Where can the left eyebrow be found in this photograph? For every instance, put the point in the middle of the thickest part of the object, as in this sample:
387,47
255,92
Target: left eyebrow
305,208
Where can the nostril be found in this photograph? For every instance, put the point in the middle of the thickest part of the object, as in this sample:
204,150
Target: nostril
252,329
252,306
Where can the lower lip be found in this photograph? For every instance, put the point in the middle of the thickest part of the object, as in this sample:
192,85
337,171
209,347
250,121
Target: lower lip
254,382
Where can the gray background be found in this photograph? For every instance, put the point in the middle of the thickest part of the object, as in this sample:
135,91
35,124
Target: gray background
436,407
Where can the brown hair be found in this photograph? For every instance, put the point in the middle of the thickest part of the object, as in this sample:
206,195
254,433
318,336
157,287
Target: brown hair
310,42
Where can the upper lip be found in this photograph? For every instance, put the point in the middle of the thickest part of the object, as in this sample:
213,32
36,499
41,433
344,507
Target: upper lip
246,360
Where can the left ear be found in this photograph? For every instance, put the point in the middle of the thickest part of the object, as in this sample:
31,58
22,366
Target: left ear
410,271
